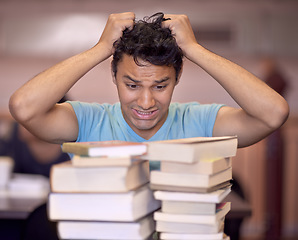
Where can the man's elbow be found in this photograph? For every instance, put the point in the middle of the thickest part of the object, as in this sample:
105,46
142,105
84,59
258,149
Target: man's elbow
279,116
18,109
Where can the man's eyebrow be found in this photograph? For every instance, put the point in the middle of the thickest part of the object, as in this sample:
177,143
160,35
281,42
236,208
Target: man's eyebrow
162,80
138,81
131,79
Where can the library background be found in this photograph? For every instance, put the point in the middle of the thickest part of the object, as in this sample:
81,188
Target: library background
260,35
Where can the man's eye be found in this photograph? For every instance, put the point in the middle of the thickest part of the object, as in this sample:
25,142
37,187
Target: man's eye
160,87
132,86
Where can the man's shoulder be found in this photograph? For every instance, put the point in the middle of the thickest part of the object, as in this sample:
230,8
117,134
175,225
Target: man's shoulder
94,105
193,108
182,106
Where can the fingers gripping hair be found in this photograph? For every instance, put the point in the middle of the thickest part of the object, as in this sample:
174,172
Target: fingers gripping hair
151,42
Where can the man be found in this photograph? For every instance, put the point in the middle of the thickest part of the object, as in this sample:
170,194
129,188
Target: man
145,83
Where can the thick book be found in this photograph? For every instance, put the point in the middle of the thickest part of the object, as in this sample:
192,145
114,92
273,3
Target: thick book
189,228
190,180
210,166
64,177
185,236
85,161
216,196
128,206
163,187
137,230
190,150
114,148
212,219
190,208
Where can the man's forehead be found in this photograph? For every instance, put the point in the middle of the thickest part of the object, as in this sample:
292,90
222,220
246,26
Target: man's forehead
140,63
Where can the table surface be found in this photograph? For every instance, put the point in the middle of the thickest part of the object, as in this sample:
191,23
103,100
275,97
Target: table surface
18,207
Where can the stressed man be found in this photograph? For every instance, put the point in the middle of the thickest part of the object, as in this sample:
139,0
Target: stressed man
146,67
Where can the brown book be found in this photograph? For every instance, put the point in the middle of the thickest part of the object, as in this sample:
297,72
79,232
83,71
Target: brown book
105,148
190,150
64,177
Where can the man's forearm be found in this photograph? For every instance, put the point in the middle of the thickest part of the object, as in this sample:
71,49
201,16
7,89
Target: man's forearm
254,96
42,92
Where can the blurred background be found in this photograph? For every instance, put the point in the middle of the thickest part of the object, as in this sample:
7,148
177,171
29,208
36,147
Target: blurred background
260,35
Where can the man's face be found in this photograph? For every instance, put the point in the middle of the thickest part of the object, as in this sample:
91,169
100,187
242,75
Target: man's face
145,94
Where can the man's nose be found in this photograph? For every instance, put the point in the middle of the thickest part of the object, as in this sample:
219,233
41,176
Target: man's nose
146,99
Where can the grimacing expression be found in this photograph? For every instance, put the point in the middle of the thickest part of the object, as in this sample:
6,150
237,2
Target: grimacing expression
145,92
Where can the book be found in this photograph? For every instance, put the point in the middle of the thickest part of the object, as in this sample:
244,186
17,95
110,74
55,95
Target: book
190,208
64,177
85,161
190,150
163,187
6,169
210,166
185,236
140,229
189,228
22,185
114,148
221,212
128,206
216,196
190,180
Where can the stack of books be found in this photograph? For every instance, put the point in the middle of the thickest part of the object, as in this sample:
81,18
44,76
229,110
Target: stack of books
103,192
193,180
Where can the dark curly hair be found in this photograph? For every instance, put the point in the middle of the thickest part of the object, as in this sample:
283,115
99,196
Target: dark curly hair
150,42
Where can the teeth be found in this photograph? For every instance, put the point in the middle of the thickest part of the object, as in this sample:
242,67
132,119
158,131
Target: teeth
144,113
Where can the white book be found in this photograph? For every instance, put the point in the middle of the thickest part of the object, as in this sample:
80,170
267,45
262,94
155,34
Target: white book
113,148
86,161
197,219
137,230
128,206
209,166
185,236
190,180
191,208
190,150
212,197
189,228
65,177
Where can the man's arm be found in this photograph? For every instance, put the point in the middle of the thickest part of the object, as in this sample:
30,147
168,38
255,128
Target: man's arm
262,109
34,104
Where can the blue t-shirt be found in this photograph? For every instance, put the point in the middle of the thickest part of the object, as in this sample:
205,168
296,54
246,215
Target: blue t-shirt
103,122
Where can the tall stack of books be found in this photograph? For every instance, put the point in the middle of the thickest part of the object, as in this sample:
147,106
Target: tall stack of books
103,192
192,183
